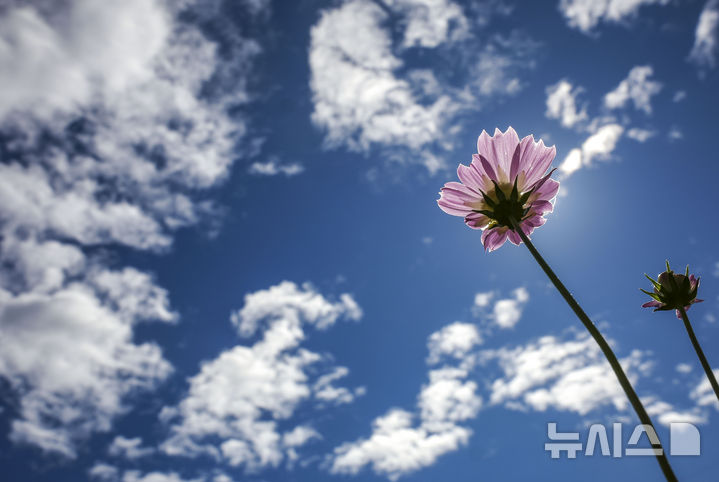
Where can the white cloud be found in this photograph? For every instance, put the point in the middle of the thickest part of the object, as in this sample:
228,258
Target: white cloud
430,23
104,472
357,97
508,311
562,104
675,134
107,473
568,375
679,96
572,162
325,391
599,145
482,300
55,65
455,340
683,368
666,414
401,441
587,14
640,135
703,394
109,131
129,448
704,51
636,88
364,96
274,167
72,360
234,405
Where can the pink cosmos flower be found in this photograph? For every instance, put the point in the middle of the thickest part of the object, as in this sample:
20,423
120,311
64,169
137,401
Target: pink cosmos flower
507,182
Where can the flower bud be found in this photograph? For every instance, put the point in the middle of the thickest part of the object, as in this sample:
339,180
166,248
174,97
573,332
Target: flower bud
673,291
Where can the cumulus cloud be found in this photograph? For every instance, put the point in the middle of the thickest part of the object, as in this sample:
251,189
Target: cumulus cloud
234,405
482,300
704,51
70,356
637,88
562,104
455,340
108,130
584,15
402,441
364,96
508,311
561,374
599,145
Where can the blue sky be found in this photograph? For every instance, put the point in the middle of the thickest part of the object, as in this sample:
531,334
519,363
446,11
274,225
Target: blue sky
222,259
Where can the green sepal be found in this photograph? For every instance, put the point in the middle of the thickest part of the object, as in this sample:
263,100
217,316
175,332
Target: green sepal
515,193
489,214
488,200
653,295
498,192
656,284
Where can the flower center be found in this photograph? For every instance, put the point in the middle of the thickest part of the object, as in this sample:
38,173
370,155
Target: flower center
507,210
503,208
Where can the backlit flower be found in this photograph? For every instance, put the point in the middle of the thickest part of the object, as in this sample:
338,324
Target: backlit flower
672,291
506,182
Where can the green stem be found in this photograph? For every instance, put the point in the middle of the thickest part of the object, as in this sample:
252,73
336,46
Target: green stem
700,353
606,349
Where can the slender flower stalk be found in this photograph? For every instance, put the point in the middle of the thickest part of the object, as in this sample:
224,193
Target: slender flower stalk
606,349
506,192
700,352
674,291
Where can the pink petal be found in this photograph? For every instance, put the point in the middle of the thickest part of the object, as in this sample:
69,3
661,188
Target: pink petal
488,168
457,199
546,191
534,221
476,220
651,304
471,177
541,207
516,158
494,238
514,238
459,191
535,159
498,151
453,209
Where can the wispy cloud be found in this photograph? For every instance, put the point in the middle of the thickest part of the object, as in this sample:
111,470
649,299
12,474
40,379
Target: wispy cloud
585,15
706,35
599,145
562,104
637,88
